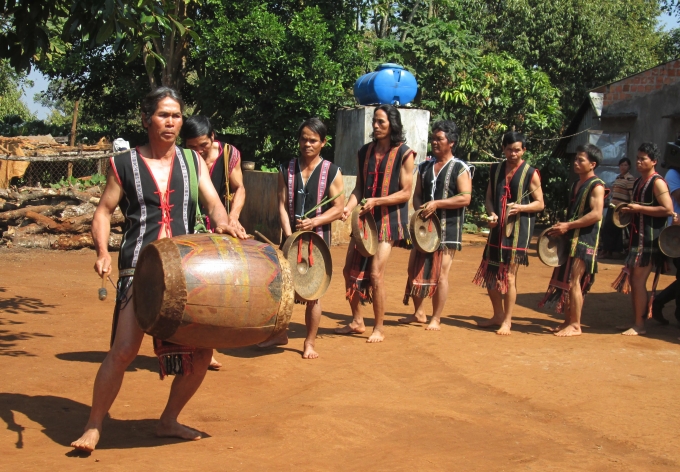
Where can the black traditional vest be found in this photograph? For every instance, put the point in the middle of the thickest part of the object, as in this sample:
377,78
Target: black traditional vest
440,187
392,221
584,241
511,249
147,208
303,197
645,230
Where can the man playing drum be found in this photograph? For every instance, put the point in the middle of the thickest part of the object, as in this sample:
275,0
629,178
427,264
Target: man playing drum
303,184
224,163
513,197
651,207
444,188
571,281
384,180
153,185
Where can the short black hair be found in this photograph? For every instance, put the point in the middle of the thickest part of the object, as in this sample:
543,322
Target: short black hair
153,98
195,127
450,129
394,117
651,149
315,125
593,152
626,160
512,137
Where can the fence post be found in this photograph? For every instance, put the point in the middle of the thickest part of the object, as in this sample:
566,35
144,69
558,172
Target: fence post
72,143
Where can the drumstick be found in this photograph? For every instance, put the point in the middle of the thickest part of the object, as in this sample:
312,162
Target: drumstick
263,238
102,291
323,202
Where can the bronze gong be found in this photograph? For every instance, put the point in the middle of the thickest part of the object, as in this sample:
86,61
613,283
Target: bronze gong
669,241
553,251
364,232
621,219
426,233
310,263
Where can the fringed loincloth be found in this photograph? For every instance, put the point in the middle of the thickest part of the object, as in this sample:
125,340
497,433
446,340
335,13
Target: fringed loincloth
423,275
494,275
557,295
173,359
359,278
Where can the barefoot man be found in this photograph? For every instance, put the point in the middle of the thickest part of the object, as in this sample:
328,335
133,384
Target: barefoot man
650,209
384,180
154,185
303,184
571,281
224,163
513,197
444,187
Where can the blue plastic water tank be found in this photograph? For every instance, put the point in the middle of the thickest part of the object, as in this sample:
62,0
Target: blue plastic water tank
390,84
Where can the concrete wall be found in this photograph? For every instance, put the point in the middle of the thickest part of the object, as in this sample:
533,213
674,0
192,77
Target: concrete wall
260,211
354,128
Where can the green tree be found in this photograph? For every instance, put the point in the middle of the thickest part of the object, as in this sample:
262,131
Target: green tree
12,86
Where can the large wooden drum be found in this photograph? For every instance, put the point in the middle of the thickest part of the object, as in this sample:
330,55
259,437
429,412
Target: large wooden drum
212,291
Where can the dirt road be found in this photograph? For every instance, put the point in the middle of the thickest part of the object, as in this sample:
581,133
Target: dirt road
459,399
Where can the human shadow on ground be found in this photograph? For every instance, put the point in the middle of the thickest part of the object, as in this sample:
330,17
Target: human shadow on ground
23,305
141,362
9,339
62,420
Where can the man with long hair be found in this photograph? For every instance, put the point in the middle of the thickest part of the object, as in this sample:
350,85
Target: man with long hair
384,180
153,184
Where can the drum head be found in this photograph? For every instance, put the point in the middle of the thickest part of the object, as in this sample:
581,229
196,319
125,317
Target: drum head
426,233
669,241
364,233
509,223
311,269
621,219
553,251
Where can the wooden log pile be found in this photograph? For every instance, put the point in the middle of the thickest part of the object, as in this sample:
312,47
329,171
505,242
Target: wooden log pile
53,218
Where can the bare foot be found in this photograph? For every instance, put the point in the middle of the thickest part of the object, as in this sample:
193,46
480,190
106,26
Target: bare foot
490,322
175,430
214,365
559,328
504,330
416,318
571,330
88,441
434,325
634,331
352,328
278,341
309,352
376,336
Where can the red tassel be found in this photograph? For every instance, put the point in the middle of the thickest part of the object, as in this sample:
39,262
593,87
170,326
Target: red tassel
311,253
299,250
429,226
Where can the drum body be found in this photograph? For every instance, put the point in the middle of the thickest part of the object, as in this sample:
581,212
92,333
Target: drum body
212,291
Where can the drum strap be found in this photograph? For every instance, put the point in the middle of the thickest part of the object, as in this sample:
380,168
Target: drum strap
321,191
199,226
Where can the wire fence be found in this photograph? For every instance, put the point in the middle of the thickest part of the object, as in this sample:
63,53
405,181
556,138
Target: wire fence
42,172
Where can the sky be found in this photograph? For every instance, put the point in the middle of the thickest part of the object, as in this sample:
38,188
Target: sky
667,22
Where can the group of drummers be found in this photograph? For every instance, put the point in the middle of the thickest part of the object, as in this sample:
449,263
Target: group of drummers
151,184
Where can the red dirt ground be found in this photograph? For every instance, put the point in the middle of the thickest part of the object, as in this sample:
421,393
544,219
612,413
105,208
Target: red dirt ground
459,399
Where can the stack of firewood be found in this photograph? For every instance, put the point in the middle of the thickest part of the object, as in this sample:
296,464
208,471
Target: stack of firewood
53,218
